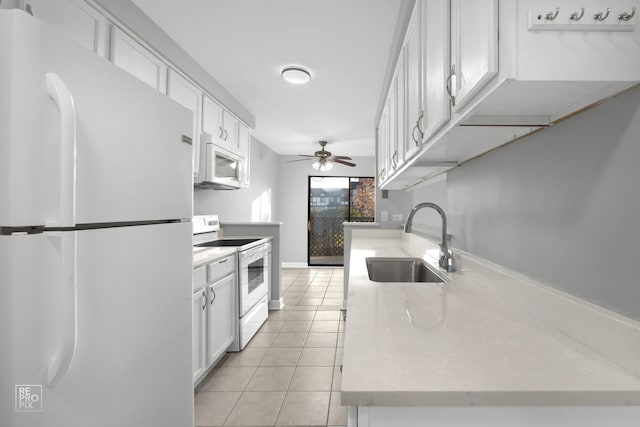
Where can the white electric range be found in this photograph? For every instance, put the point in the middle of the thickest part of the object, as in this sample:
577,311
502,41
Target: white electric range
253,272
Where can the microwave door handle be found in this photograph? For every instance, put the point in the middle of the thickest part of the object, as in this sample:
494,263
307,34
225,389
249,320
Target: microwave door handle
61,361
61,96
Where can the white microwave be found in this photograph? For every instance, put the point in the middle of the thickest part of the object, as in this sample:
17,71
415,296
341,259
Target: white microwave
218,168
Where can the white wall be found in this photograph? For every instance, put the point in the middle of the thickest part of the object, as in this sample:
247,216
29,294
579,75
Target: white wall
562,206
258,203
292,201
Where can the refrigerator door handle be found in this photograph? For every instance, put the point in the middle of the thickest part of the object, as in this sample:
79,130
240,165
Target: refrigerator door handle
61,96
61,360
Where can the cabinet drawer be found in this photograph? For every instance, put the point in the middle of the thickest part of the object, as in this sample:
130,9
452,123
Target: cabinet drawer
221,268
199,278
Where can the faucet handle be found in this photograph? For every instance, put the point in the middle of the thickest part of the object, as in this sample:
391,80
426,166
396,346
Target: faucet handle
446,260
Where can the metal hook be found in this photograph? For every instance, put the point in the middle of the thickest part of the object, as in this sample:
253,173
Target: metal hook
551,16
599,17
624,16
575,17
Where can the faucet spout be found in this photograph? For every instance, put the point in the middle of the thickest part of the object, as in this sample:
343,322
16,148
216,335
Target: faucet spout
445,254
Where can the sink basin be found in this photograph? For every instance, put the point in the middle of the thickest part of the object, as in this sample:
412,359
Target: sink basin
401,270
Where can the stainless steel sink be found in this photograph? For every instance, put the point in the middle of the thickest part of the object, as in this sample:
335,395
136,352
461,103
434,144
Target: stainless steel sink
401,270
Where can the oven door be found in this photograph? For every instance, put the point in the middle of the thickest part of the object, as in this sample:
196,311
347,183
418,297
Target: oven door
254,276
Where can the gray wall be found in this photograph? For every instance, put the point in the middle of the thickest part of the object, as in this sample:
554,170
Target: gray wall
141,25
258,203
292,200
397,202
561,206
427,221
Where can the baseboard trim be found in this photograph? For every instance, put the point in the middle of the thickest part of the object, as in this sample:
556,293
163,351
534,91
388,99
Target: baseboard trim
294,265
276,304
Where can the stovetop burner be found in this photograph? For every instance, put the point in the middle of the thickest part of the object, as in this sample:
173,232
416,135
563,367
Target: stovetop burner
228,242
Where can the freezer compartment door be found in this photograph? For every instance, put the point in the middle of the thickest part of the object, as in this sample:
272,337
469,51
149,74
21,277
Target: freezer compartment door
82,141
118,302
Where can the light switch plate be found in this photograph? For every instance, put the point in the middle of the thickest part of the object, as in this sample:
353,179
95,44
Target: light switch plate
397,217
384,216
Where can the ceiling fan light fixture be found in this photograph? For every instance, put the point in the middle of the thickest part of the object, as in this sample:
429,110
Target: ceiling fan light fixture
296,75
322,166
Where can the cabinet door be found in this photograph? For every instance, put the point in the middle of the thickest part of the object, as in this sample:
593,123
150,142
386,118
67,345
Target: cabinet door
137,60
474,46
383,144
198,330
221,323
189,96
436,63
401,124
230,125
244,141
76,19
413,64
212,120
392,150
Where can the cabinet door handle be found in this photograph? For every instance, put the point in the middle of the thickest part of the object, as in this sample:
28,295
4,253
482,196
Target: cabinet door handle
204,295
223,261
226,134
413,135
214,297
418,124
448,85
221,132
394,160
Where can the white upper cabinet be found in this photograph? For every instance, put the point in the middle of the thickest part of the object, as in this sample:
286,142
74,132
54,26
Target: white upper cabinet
383,144
76,19
212,113
189,96
244,147
221,125
469,91
230,136
137,60
474,46
436,66
414,112
398,145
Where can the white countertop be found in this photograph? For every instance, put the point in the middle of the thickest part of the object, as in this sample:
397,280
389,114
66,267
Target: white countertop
204,255
460,343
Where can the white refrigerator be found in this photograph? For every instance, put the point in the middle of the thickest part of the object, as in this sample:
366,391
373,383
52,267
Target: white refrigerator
95,239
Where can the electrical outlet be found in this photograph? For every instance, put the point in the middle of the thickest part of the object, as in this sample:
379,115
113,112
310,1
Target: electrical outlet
384,216
397,217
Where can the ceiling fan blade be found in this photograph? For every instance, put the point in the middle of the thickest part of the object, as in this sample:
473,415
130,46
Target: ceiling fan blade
305,155
343,162
342,157
299,160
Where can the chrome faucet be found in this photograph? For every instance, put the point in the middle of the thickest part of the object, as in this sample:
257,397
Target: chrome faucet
445,261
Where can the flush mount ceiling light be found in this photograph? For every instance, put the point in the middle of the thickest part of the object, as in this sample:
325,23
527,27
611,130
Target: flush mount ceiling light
296,75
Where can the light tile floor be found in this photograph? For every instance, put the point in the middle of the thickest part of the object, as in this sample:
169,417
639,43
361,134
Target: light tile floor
289,374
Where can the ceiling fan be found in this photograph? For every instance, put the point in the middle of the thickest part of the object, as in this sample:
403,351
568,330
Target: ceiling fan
324,159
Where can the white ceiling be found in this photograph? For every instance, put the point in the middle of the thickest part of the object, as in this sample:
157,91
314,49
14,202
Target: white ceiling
244,44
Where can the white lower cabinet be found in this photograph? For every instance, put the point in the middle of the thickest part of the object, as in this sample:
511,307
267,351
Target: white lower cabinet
198,324
221,317
214,302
